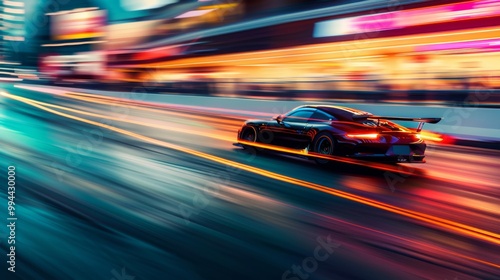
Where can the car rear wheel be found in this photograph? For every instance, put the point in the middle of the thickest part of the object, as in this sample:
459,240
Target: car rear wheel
324,144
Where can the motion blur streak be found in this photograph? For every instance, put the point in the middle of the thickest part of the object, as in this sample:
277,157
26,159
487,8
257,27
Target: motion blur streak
430,219
222,120
391,45
129,103
169,128
374,41
429,136
125,102
410,241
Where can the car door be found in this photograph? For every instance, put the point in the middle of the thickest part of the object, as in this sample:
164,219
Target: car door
291,130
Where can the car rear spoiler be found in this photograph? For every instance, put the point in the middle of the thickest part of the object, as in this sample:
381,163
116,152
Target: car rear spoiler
421,121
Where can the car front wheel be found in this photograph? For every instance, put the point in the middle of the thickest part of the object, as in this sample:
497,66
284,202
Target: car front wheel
249,134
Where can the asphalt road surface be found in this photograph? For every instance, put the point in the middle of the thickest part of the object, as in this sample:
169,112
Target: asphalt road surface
114,189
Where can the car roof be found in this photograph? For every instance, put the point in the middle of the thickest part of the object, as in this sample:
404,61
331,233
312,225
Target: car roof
339,112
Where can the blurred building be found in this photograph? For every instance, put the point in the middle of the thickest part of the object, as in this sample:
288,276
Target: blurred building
397,46
12,32
293,46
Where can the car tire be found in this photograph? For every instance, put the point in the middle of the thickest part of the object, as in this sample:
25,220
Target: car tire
324,144
248,133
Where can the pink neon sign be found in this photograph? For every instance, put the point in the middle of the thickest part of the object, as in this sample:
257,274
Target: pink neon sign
407,18
478,44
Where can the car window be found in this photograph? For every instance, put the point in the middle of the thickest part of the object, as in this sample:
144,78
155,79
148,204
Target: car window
299,116
320,117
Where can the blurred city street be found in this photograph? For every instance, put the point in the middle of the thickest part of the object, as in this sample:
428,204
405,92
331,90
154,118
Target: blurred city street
250,139
123,184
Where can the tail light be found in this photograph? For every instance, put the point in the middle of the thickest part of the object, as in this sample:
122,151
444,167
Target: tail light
363,136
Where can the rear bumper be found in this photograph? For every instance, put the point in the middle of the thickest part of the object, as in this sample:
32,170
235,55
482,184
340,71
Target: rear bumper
391,158
414,153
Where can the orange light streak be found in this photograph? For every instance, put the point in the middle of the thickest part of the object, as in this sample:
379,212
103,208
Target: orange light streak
427,135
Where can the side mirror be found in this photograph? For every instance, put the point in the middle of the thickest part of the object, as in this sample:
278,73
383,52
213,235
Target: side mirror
278,118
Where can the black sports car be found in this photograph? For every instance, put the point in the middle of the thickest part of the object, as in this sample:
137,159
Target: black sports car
338,131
